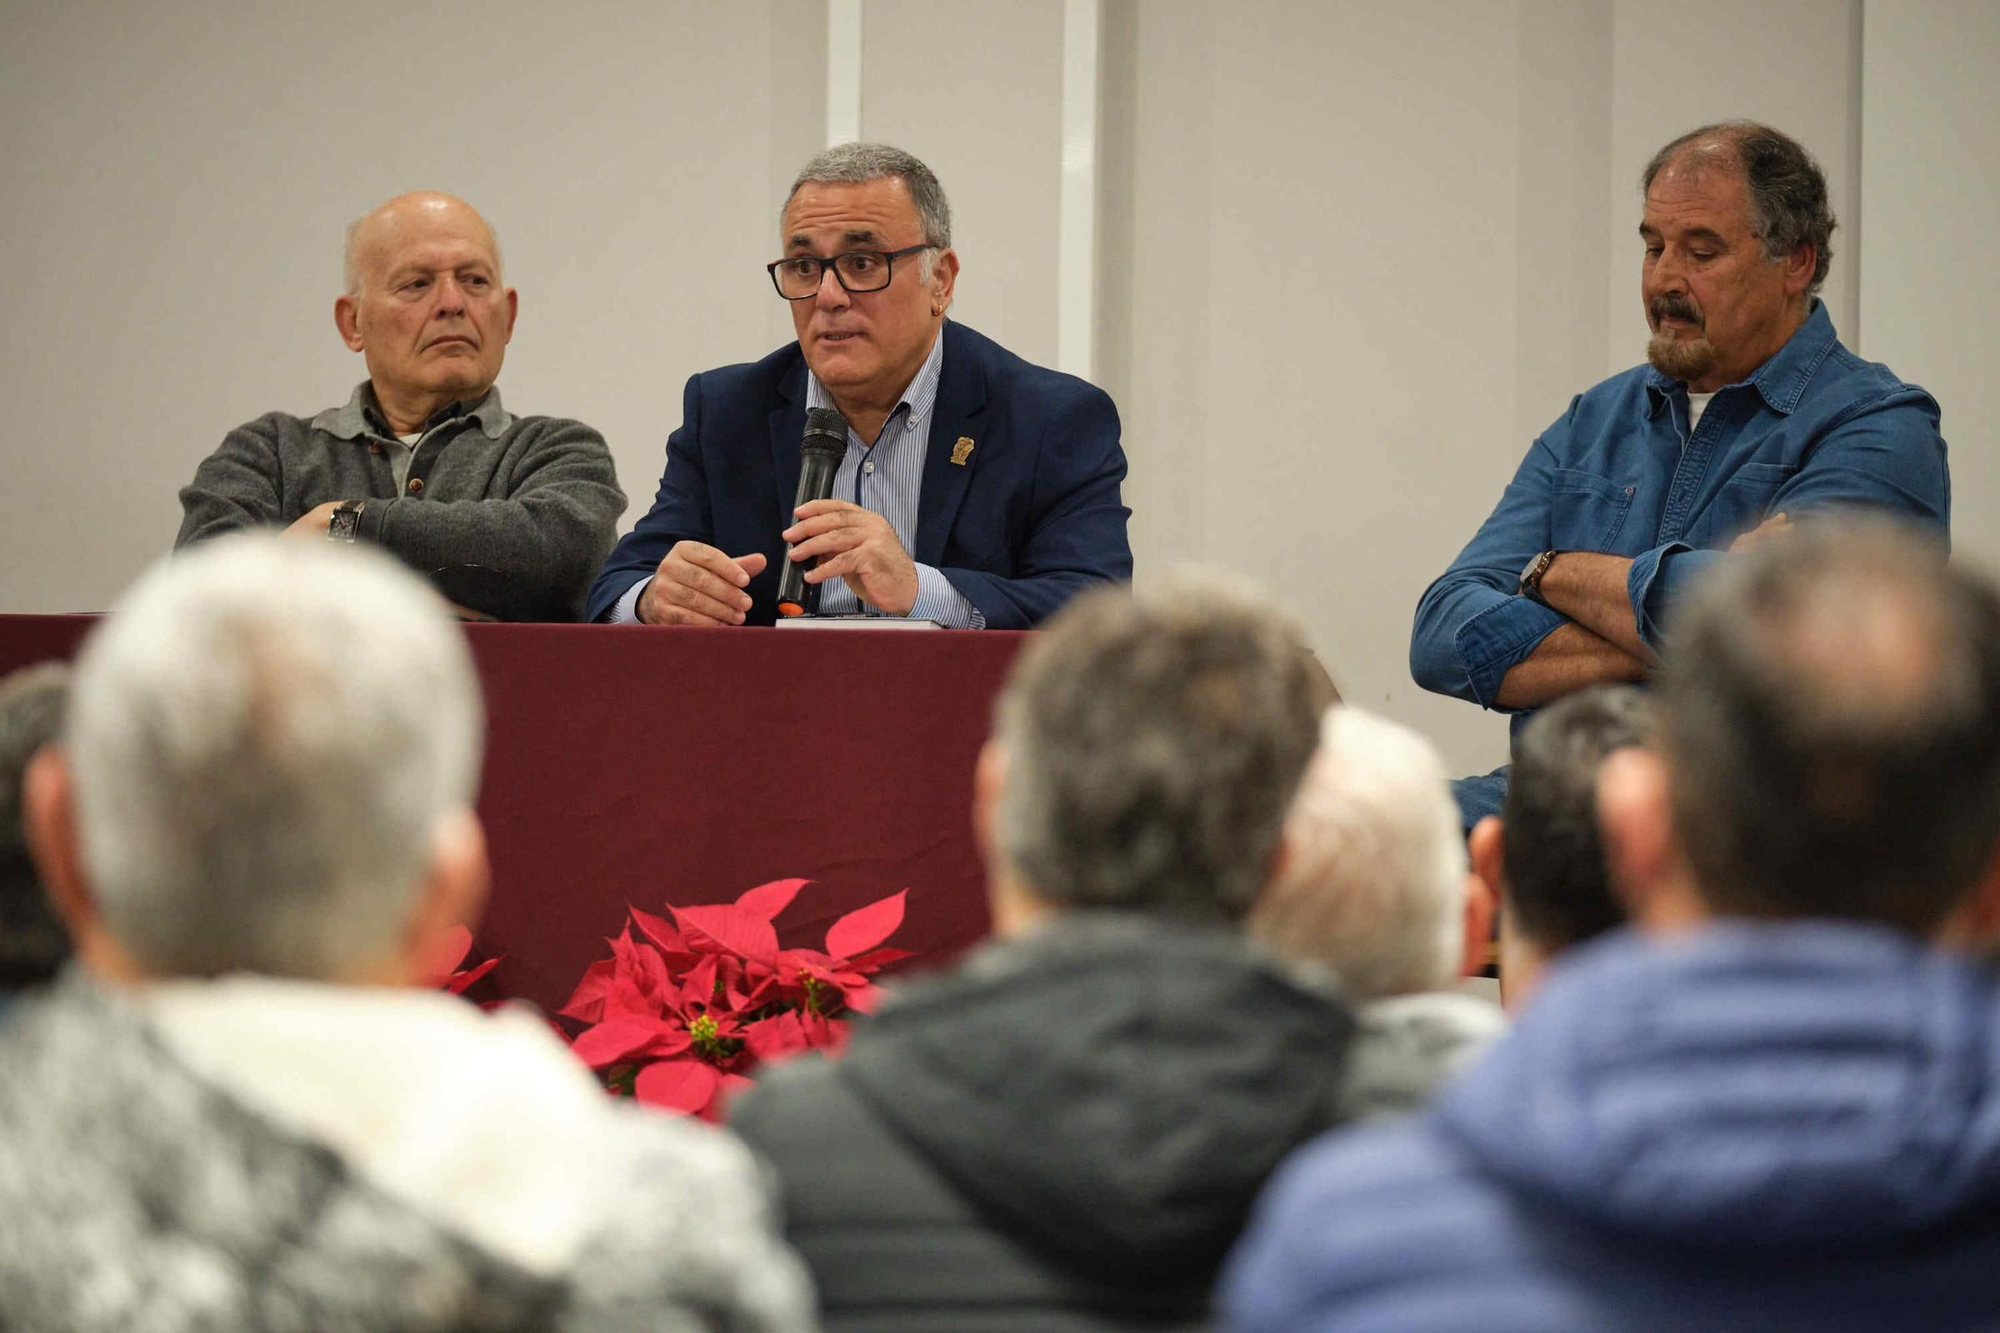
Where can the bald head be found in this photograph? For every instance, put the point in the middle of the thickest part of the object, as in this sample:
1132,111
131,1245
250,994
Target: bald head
425,305
372,235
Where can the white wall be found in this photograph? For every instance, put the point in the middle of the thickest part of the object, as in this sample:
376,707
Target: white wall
1930,290
1351,256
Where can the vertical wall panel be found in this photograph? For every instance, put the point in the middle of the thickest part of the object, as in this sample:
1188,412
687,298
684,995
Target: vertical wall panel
975,90
1929,285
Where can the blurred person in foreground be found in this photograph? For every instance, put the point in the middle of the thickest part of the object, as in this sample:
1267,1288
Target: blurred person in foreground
33,946
1542,858
1776,1103
1375,887
1067,1131
244,1111
508,516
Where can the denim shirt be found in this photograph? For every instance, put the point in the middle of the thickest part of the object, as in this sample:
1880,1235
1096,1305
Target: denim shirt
1815,428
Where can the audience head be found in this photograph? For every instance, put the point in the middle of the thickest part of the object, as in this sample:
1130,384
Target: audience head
33,944
1737,231
1543,857
1145,752
1830,742
426,305
1374,882
269,762
866,199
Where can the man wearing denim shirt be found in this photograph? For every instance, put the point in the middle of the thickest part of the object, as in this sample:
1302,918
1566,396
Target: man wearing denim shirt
1751,415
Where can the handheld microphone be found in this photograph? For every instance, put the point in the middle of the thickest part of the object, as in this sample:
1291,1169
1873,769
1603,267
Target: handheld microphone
820,451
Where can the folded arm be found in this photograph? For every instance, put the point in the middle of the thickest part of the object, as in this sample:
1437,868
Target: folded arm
527,556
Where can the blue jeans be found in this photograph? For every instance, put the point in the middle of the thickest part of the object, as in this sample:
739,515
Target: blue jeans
1480,795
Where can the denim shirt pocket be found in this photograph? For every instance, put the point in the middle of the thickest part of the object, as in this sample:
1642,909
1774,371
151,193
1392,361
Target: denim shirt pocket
1755,483
1586,510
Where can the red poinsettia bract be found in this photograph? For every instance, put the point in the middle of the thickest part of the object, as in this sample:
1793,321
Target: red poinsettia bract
447,952
685,1009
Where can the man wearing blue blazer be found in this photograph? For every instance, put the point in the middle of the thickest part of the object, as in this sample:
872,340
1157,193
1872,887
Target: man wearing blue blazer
977,490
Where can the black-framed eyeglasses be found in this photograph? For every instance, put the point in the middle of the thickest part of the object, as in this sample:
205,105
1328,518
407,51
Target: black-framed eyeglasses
797,277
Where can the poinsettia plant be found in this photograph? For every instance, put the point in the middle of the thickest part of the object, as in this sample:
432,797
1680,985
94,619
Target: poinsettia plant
447,953
689,1004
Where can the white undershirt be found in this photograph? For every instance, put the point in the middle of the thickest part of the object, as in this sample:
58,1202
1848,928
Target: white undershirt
1697,404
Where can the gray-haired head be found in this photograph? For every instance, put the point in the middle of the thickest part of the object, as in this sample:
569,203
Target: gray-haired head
1374,881
1830,716
859,163
1153,741
267,738
33,943
1558,887
1788,196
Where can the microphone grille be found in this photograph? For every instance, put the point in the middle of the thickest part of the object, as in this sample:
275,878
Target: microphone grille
826,433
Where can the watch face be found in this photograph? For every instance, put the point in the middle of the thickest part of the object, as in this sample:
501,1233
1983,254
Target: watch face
344,525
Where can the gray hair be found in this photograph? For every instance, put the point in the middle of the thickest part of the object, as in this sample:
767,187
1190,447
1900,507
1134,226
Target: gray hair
267,737
1154,740
1374,880
33,942
859,163
1830,715
1788,197
350,250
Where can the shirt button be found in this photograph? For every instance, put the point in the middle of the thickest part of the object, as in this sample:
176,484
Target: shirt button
869,467
416,486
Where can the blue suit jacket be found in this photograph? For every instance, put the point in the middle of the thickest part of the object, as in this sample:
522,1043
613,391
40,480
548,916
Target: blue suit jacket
1031,517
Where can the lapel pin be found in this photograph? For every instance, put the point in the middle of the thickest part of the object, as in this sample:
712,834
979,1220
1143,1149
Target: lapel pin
961,451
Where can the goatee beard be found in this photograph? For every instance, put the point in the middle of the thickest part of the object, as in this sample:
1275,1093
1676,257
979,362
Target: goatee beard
1680,358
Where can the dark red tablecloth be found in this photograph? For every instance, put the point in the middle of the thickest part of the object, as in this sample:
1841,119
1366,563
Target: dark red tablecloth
641,765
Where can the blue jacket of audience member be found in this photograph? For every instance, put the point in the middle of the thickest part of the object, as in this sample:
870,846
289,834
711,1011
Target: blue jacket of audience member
1770,1127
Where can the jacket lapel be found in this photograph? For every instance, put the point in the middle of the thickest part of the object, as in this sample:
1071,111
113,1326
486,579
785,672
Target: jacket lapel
960,401
788,424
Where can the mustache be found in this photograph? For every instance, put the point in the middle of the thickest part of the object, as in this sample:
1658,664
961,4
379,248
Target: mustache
1675,307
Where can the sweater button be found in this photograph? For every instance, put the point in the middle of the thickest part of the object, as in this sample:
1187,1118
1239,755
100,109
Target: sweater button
416,486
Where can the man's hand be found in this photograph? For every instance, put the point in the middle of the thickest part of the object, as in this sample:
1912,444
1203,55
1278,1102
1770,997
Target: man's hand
1589,588
1776,525
699,585
857,545
1571,658
313,523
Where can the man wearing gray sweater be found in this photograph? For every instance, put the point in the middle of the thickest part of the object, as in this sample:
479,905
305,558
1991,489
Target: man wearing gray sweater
508,516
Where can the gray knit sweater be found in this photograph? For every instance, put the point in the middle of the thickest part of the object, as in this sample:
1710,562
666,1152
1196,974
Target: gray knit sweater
510,516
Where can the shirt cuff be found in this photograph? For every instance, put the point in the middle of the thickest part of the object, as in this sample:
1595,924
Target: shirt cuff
625,611
1656,581
938,600
1497,639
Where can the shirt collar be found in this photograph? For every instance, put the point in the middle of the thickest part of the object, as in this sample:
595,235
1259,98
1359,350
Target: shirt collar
1781,380
919,395
360,417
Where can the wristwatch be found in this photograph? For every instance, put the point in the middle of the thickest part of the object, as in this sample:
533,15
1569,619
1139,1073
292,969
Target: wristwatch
1531,577
344,524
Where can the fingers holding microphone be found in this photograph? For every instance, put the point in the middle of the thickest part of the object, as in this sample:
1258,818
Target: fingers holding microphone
859,546
699,585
